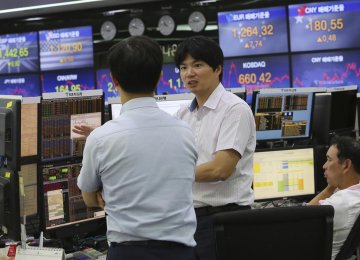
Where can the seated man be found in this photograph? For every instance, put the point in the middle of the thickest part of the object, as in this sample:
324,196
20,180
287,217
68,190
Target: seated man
342,171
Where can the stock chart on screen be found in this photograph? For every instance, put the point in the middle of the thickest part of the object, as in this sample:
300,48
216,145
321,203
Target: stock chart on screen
326,69
251,32
322,26
256,73
65,81
26,85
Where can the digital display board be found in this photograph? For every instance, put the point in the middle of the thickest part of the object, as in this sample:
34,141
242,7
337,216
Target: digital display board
66,48
104,82
251,32
27,85
170,82
326,69
64,81
327,25
19,53
256,73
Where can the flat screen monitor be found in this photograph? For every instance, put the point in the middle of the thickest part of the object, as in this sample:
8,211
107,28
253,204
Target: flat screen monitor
10,204
284,173
324,25
19,53
256,73
60,113
170,82
10,132
171,107
168,103
326,69
253,32
63,203
67,48
283,113
70,80
343,109
105,82
26,85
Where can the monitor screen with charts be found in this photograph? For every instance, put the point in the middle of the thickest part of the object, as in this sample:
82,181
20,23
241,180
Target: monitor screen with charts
284,173
283,113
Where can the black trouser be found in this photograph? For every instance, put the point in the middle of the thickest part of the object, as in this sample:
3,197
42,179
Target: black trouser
149,250
205,234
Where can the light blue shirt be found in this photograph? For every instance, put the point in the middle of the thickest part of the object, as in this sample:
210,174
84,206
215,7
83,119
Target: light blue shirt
145,161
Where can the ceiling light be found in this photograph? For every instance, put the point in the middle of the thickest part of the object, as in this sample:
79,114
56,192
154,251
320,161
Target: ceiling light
13,10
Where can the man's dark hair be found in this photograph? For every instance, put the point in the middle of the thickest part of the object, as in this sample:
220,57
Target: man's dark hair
348,148
136,63
200,48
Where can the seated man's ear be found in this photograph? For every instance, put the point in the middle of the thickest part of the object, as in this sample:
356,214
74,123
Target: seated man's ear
347,164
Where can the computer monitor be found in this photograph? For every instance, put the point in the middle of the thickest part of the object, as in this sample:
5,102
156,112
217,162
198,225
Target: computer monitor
334,114
10,131
172,103
169,103
65,215
283,113
10,204
321,119
10,139
285,173
61,111
343,109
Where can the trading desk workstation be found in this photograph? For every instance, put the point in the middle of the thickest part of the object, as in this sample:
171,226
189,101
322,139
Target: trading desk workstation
296,65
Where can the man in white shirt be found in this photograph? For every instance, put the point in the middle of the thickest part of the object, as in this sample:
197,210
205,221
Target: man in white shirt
224,129
342,171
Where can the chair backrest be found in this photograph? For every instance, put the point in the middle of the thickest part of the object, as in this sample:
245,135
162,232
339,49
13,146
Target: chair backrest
303,232
351,243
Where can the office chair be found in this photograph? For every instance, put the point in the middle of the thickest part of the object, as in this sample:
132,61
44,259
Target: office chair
295,233
351,245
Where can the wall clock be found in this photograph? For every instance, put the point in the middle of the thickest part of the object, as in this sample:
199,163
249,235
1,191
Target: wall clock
108,30
166,25
197,21
136,27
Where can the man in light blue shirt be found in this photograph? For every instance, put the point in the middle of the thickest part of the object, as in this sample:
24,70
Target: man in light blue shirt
144,163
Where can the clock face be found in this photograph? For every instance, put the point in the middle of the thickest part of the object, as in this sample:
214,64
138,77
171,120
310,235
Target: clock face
166,25
108,30
136,27
197,21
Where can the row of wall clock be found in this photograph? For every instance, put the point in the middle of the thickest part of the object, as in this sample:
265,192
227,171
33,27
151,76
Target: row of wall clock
166,25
